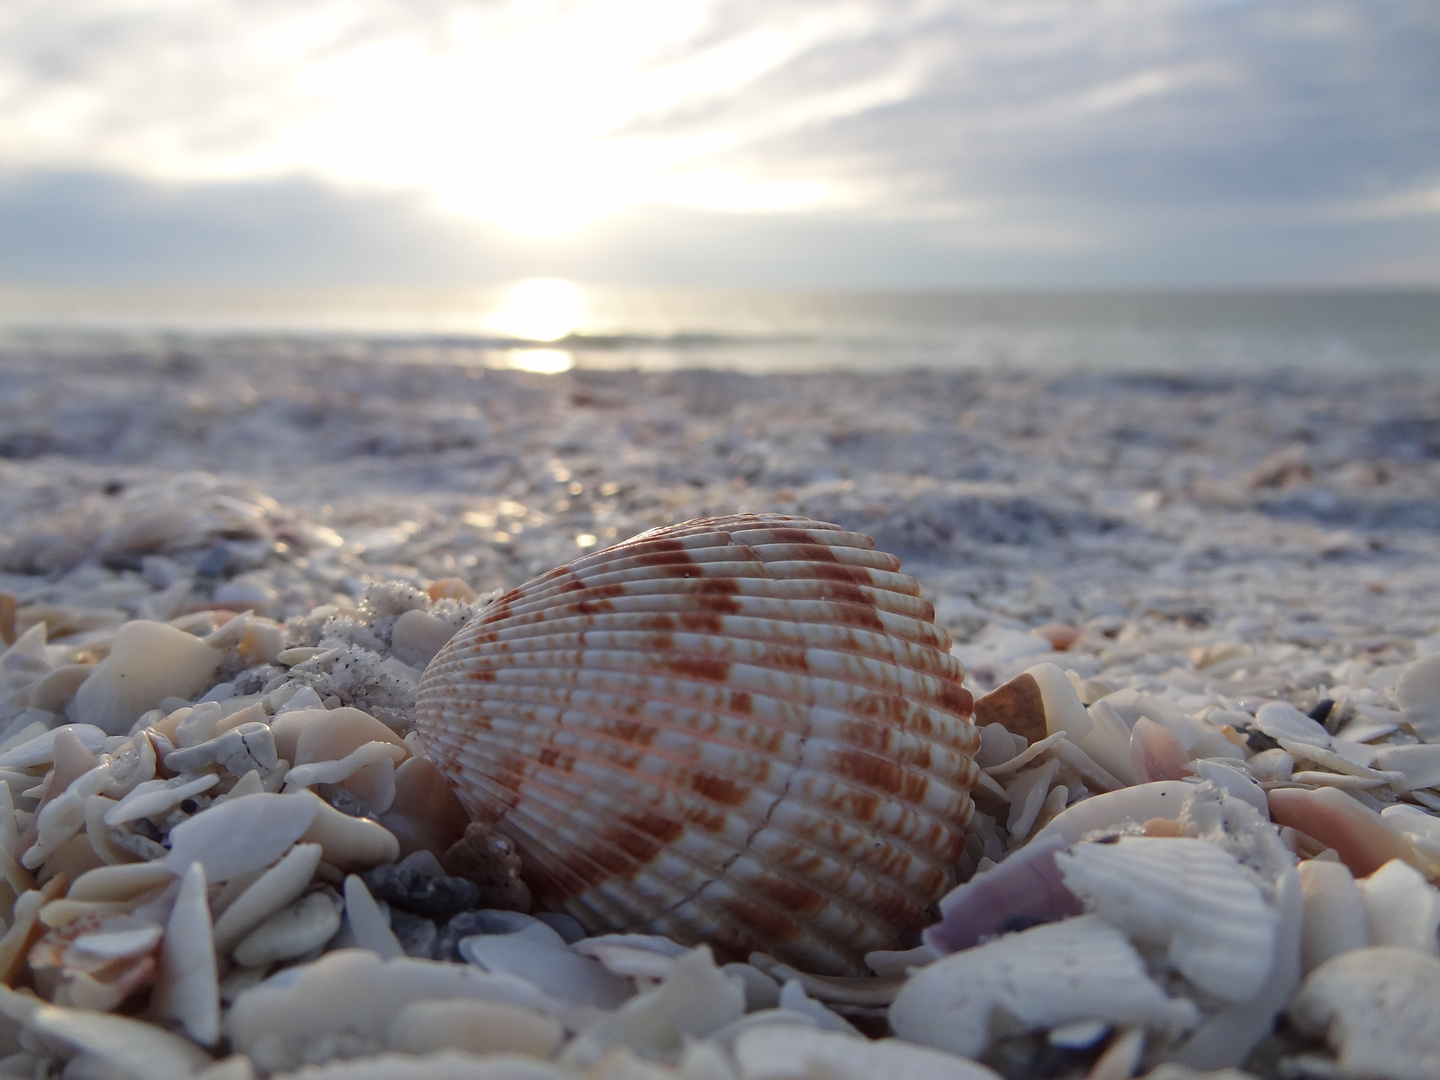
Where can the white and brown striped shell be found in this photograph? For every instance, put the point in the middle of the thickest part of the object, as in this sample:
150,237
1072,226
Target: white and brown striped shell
744,730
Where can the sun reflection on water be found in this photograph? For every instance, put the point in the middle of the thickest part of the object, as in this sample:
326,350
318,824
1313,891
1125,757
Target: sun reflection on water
540,361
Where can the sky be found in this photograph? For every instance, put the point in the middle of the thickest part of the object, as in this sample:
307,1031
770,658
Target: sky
774,143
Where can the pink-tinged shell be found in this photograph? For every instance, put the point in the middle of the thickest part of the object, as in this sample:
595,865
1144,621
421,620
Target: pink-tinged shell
743,730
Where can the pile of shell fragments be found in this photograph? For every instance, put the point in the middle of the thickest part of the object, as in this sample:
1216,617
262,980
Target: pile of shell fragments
223,855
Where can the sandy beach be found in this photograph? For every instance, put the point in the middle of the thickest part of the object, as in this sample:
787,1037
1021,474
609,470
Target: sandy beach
1218,543
613,540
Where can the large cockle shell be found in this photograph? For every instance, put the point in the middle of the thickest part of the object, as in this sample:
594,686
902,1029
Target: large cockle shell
744,730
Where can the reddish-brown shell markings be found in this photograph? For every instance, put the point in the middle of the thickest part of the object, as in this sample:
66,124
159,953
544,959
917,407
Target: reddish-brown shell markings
745,730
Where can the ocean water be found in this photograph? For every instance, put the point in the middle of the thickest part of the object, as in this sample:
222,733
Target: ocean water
553,326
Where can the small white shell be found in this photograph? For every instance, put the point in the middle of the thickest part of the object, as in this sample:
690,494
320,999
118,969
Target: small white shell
747,731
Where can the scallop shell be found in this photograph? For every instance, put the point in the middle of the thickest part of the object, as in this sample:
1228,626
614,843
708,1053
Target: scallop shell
747,731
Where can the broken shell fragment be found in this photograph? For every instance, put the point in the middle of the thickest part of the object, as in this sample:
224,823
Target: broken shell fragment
185,986
1402,909
1025,888
475,1026
349,843
148,661
1335,919
244,834
120,1045
95,961
1378,1009
1419,693
293,931
1361,837
273,890
787,1051
1016,705
1077,969
744,730
1190,896
354,991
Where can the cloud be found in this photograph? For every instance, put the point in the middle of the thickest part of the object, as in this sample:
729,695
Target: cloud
106,228
1168,103
1139,133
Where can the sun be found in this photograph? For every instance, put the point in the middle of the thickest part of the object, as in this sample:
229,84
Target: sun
542,309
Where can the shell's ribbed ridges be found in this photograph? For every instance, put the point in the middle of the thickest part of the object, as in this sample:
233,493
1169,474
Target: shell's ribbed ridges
744,730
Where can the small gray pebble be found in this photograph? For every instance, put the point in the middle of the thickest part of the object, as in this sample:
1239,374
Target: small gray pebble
214,561
410,890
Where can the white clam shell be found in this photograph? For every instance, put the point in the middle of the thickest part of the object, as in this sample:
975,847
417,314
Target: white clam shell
553,969
747,731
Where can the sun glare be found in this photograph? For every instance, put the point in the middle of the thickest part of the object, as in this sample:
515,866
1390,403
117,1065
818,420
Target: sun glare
529,121
542,309
540,119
